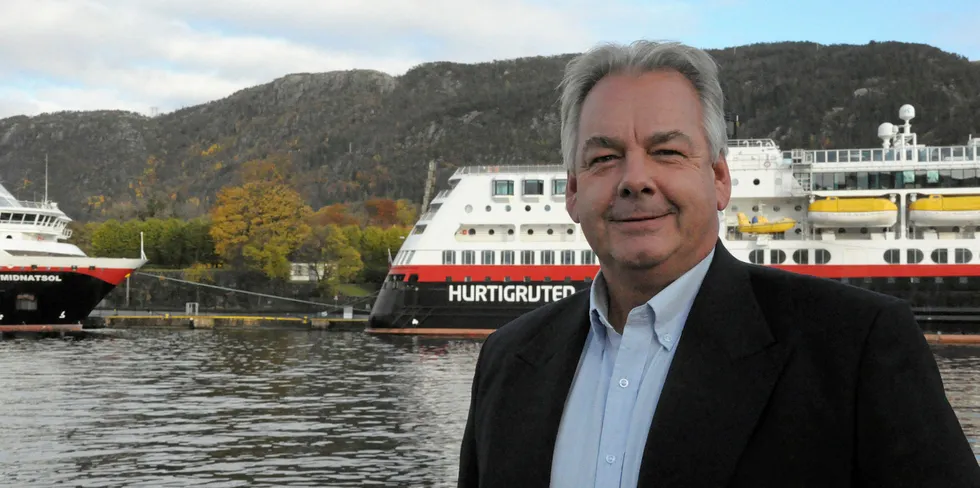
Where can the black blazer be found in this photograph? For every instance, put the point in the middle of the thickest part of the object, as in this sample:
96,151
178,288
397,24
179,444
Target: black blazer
779,379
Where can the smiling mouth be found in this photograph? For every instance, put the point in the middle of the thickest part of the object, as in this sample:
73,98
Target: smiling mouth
641,219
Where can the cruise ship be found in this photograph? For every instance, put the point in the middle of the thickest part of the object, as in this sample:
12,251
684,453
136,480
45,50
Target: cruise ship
43,280
900,218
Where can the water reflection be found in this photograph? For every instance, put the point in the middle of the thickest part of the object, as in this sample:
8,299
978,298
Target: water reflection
260,408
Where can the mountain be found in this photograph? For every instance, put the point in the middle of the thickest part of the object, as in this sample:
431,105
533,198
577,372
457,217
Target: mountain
348,136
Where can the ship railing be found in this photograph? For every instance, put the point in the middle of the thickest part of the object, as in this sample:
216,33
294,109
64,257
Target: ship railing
760,143
937,154
513,168
38,205
442,194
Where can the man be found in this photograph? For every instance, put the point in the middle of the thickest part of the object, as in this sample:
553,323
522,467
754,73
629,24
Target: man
683,366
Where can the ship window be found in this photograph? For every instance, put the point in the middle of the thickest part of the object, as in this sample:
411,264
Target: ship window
418,229
27,302
534,187
892,256
488,257
588,257
963,256
527,257
506,257
777,256
568,257
503,188
914,256
939,256
756,257
821,256
548,257
29,218
4,216
469,257
448,257
558,186
801,256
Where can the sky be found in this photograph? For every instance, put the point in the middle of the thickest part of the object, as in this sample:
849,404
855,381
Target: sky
155,56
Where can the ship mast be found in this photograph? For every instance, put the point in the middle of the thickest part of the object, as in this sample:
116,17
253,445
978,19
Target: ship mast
45,178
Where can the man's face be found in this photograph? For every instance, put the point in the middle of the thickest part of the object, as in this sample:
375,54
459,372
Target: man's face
644,189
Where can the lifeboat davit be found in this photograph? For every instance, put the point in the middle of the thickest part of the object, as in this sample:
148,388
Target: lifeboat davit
761,225
945,210
853,212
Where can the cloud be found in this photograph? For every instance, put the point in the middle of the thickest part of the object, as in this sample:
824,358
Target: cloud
120,54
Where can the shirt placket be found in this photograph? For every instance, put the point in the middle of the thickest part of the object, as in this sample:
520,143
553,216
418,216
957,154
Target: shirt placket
621,397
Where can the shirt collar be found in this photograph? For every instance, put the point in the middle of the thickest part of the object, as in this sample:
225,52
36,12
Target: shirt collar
670,306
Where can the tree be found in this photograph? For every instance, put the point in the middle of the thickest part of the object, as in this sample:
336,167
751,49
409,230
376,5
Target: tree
259,226
381,212
336,214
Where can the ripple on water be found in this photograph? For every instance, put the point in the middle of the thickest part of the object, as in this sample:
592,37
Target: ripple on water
260,408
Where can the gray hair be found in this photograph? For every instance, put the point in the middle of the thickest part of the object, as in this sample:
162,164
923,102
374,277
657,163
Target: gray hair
583,72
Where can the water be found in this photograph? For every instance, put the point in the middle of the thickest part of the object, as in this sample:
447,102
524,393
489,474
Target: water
260,408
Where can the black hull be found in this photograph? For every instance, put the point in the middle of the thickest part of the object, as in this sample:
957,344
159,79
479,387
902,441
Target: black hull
949,305
49,298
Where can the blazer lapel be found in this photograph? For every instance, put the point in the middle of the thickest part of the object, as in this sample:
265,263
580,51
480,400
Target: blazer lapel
719,382
538,379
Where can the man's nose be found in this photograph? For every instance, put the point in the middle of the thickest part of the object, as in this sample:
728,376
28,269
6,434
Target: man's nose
637,178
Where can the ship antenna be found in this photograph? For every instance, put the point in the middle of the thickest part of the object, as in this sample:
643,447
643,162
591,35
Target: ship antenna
142,252
45,178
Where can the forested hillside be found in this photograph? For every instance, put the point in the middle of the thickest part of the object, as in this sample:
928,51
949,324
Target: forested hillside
353,136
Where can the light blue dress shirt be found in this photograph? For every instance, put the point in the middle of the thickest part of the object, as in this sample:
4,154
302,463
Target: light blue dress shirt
617,386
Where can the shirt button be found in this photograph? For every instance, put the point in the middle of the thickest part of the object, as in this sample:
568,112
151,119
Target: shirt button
667,338
624,382
610,459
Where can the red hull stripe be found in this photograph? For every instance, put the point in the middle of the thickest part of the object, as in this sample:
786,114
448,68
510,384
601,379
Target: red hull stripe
477,273
113,276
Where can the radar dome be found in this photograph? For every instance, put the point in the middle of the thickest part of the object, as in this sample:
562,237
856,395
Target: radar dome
886,131
906,112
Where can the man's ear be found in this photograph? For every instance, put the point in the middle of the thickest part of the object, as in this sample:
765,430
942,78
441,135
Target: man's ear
571,194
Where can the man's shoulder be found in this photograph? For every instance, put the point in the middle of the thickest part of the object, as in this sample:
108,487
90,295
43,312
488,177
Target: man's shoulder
815,296
547,319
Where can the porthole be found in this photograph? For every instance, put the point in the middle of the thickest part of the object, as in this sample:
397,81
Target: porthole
550,232
799,207
488,208
469,208
510,232
569,231
734,181
775,208
490,232
530,231
527,208
472,232
755,208
547,208
507,208
755,182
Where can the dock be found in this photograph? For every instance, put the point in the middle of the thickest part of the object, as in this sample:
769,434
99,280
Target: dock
175,321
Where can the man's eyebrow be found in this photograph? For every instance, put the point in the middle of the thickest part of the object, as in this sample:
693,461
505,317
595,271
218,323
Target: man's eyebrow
658,138
655,139
604,142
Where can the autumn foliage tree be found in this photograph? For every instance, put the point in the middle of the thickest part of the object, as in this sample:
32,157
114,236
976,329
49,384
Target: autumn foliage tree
260,225
337,214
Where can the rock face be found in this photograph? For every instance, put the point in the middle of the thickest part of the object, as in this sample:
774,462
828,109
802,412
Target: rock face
352,135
